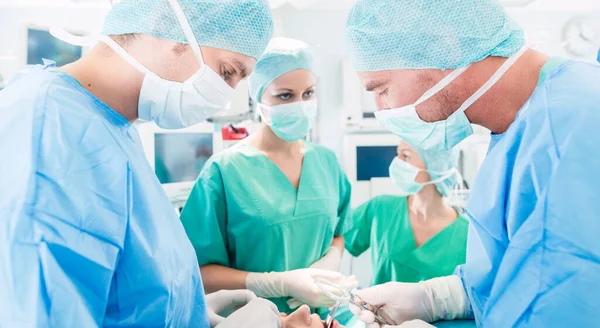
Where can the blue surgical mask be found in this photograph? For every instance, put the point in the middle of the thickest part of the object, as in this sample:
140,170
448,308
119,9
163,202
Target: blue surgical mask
404,174
445,134
290,122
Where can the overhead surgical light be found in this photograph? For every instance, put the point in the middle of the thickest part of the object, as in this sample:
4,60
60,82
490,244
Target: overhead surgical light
76,40
581,37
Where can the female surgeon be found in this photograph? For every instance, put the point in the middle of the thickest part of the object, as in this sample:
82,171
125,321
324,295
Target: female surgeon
269,213
414,236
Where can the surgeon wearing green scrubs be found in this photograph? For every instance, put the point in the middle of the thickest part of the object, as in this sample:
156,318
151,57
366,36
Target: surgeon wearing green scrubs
269,213
417,235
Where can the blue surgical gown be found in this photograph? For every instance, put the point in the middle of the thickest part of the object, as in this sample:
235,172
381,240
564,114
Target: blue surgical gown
533,251
87,236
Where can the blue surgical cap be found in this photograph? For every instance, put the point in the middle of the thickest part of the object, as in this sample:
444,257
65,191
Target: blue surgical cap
428,34
242,26
282,56
439,162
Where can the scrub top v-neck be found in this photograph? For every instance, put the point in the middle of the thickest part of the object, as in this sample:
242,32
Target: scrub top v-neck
383,225
244,212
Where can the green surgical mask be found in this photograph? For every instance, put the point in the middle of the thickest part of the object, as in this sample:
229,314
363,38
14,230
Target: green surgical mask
404,174
290,122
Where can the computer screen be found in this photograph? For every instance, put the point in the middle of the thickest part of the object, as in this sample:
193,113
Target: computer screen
179,157
42,45
373,161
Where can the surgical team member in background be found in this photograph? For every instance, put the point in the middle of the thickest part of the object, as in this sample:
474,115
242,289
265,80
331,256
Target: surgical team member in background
268,214
88,236
415,235
533,254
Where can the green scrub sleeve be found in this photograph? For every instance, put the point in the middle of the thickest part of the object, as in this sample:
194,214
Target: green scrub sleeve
204,217
358,239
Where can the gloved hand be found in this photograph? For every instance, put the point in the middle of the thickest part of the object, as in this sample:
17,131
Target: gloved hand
347,283
226,301
258,313
432,300
298,284
330,261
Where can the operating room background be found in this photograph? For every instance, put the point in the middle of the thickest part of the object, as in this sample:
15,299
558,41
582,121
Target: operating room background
552,26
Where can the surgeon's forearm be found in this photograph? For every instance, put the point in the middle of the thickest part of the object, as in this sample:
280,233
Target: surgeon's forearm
339,243
217,277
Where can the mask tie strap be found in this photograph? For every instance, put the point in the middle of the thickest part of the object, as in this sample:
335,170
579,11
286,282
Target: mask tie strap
442,84
493,80
187,30
443,178
124,54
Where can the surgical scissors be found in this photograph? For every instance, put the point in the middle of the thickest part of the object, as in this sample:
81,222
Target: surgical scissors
341,295
330,316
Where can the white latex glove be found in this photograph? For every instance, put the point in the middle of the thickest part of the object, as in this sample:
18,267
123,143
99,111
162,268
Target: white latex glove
258,313
226,301
432,300
298,284
345,282
330,261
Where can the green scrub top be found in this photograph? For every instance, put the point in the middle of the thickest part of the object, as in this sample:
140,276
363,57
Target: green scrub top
383,224
244,213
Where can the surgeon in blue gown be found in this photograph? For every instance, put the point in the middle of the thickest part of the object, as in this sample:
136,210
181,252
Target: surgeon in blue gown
87,236
533,252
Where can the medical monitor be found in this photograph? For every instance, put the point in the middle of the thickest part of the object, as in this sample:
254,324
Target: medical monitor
40,44
178,156
367,156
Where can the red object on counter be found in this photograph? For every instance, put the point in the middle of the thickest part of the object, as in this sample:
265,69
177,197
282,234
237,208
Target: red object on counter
232,133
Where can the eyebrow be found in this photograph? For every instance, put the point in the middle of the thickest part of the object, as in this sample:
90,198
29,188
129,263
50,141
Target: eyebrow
284,90
241,67
291,90
376,84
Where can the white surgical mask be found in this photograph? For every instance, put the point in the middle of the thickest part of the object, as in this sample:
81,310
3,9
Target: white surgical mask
290,122
404,174
176,105
445,134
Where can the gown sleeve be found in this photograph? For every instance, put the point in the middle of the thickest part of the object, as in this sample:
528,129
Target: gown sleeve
63,220
553,258
204,217
534,258
358,238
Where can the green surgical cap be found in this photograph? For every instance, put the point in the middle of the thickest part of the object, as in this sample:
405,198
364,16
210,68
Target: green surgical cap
282,56
437,162
242,26
428,34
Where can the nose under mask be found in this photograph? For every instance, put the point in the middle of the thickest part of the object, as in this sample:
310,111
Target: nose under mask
290,122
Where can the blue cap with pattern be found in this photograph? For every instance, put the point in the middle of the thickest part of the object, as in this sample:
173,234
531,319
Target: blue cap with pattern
242,26
428,34
283,55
